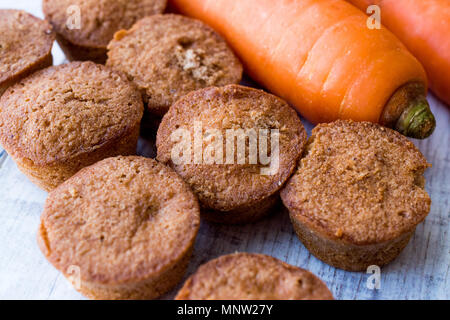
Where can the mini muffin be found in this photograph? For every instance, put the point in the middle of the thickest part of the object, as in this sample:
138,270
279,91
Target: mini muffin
245,276
231,190
128,224
25,46
98,21
64,118
358,194
168,56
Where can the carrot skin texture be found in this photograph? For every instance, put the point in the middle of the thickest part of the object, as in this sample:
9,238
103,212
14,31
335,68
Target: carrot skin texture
424,27
319,55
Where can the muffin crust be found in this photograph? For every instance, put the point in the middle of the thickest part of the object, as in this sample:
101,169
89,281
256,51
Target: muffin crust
233,193
63,118
246,276
25,46
100,19
358,194
129,240
168,56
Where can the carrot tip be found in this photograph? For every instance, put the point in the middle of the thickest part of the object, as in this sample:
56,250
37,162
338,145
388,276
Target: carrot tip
417,121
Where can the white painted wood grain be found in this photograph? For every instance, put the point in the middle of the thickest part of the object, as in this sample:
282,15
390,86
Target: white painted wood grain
420,272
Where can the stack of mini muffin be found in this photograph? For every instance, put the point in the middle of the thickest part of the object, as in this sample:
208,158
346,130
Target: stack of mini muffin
354,191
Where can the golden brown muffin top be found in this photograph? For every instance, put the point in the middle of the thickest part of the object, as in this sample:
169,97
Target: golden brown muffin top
64,111
122,219
100,19
168,56
246,276
225,187
24,41
359,182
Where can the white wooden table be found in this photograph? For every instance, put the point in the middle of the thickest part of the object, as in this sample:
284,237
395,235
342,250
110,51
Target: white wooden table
420,272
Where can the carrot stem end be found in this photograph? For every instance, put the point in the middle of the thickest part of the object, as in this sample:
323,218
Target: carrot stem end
417,121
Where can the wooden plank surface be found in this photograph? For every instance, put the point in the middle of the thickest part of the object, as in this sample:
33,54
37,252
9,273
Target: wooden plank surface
420,272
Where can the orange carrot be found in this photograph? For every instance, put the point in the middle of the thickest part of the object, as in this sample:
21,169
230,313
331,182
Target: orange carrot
321,57
424,27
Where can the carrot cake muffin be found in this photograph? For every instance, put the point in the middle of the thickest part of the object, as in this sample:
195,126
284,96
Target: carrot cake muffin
168,56
127,223
358,194
85,27
246,276
25,46
64,118
235,146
